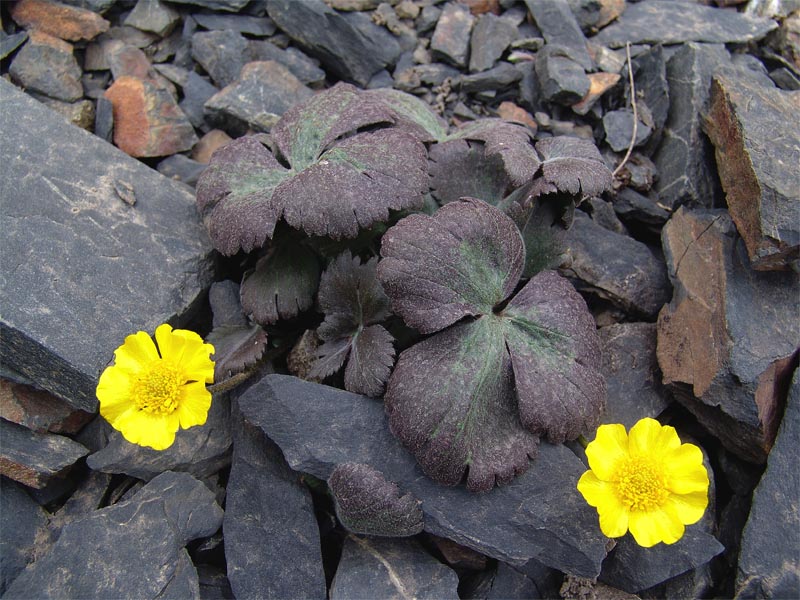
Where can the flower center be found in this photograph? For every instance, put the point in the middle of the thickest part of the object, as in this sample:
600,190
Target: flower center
156,389
640,484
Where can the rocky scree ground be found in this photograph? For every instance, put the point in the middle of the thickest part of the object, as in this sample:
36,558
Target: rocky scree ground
689,266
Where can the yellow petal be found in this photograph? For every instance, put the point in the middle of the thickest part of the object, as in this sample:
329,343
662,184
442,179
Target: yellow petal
196,365
649,437
186,350
689,507
193,405
145,429
137,352
593,489
614,519
609,446
598,493
113,392
685,470
661,525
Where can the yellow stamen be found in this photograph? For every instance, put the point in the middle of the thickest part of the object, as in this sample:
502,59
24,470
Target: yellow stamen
640,483
156,389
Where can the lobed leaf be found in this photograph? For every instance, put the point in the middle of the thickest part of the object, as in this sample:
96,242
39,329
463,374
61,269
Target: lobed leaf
571,165
368,504
460,169
462,261
412,114
370,363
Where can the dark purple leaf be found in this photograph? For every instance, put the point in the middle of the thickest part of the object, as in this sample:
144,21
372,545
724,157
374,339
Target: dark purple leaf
330,357
555,353
368,504
282,285
461,169
509,141
462,261
412,114
234,195
571,165
370,362
451,402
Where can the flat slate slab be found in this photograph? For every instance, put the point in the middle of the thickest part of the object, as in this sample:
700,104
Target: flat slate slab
80,267
539,515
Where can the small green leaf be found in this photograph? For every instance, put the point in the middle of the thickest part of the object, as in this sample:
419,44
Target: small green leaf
413,115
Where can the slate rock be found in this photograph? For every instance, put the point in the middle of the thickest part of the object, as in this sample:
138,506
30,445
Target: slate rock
9,43
491,35
104,119
45,64
268,507
22,523
98,6
256,101
133,549
501,77
63,317
147,120
727,339
756,136
562,79
560,27
450,41
60,20
428,18
221,53
154,16
539,515
390,568
196,92
80,114
301,66
38,410
224,5
126,60
431,75
769,566
618,129
34,458
201,450
181,168
599,84
256,26
667,22
89,495
547,580
650,81
687,173
507,583
630,367
349,45
458,556
617,267
630,205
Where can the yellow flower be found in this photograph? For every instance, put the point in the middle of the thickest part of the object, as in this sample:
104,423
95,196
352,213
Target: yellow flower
647,482
149,392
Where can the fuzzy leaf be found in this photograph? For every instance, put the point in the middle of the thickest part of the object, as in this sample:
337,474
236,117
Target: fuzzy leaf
368,504
413,115
450,401
461,169
282,285
462,261
571,165
237,343
234,195
511,142
370,362
330,357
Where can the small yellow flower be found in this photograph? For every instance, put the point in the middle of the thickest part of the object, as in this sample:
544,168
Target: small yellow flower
149,392
647,482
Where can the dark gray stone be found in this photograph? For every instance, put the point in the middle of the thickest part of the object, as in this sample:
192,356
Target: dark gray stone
785,79
195,94
618,129
450,41
154,16
602,213
630,205
650,81
263,92
666,22
390,568
431,75
104,119
34,458
9,43
46,65
221,53
617,267
561,77
728,338
501,77
268,507
256,26
87,498
685,158
756,136
559,26
349,45
769,563
98,6
509,584
547,580
201,450
428,18
225,5
22,523
301,66
100,269
181,168
538,515
630,367
491,35
134,549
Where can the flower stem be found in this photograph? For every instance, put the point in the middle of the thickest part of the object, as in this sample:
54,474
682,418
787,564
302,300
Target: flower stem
583,441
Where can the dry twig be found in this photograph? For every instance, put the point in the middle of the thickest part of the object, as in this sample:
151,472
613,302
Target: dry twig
635,113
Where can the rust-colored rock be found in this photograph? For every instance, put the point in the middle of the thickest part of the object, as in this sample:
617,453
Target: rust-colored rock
60,20
480,7
208,144
508,111
38,410
599,84
756,135
147,121
728,340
